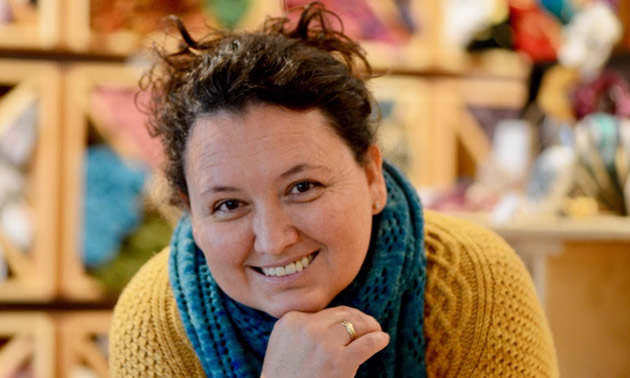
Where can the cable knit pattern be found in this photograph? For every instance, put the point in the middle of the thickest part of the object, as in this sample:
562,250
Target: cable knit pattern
482,318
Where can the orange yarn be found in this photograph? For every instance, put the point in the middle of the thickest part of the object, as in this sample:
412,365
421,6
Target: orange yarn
482,317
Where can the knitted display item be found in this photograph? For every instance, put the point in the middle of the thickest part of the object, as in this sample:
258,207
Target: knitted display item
389,287
112,204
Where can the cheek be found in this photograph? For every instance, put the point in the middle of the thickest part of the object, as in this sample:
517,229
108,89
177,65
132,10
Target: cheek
223,246
342,223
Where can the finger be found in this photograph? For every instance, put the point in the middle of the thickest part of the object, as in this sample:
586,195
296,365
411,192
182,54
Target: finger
359,321
366,346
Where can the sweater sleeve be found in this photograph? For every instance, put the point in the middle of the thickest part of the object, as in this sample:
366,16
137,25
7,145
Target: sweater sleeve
482,316
147,338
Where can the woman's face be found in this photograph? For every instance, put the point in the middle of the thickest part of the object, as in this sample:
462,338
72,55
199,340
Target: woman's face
279,206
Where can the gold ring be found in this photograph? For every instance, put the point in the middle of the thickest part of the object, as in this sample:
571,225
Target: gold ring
350,328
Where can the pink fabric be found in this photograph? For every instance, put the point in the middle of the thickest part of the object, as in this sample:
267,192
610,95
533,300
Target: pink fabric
361,22
117,110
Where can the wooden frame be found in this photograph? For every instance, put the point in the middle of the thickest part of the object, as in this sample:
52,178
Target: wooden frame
409,129
77,347
78,36
34,273
80,81
453,122
31,336
45,34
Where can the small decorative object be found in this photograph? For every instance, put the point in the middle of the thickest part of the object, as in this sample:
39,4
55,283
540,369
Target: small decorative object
580,207
536,33
16,225
512,147
17,141
465,18
590,38
551,179
597,143
228,12
561,9
608,92
552,96
12,183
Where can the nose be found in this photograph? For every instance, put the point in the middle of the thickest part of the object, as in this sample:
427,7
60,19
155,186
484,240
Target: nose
274,230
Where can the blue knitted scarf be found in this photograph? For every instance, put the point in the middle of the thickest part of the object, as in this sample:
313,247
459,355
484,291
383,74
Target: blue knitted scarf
230,339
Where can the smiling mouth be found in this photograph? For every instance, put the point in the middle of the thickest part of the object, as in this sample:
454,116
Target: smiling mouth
291,268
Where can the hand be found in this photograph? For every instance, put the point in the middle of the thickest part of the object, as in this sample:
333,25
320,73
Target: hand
318,345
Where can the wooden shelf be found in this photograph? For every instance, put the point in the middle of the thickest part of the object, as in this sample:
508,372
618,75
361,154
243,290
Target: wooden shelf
131,142
597,228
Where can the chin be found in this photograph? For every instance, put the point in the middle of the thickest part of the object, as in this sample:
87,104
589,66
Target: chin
292,305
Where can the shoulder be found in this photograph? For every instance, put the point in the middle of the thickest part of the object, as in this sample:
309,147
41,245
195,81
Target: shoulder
146,335
482,316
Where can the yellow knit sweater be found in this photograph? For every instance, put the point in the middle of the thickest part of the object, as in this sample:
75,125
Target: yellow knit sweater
482,317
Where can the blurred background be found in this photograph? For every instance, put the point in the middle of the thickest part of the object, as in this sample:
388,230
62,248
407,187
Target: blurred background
512,113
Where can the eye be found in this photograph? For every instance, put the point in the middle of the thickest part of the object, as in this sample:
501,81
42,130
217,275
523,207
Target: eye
303,187
305,190
227,206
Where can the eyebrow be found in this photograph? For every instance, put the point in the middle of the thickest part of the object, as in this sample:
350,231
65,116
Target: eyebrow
289,172
300,168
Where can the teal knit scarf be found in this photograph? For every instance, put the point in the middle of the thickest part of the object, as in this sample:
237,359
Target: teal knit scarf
389,286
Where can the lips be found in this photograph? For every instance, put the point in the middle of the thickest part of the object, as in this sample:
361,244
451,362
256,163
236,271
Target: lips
288,269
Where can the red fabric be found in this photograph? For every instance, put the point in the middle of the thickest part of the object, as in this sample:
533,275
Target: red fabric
536,33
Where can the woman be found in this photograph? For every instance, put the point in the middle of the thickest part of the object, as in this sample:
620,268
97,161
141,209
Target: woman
301,253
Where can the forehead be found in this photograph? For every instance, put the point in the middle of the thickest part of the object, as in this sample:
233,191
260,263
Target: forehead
260,134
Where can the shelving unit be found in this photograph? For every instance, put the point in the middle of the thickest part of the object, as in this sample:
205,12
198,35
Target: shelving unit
79,82
81,35
35,88
429,94
87,111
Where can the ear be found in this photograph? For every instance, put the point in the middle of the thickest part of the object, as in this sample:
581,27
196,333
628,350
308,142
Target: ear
376,182
185,201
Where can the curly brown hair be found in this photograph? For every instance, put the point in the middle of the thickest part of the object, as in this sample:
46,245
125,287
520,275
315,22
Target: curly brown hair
299,66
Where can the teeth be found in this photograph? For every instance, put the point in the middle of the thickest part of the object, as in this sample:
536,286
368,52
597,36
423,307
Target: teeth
291,268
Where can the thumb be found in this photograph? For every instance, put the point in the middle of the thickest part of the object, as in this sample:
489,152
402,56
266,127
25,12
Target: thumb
361,349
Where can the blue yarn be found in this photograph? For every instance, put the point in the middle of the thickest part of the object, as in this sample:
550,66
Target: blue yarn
562,9
112,203
390,287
